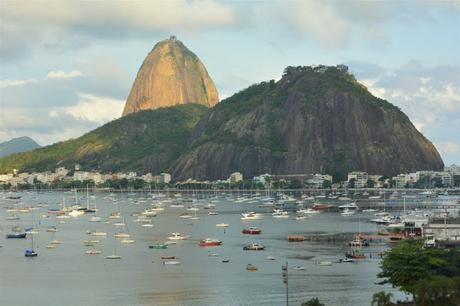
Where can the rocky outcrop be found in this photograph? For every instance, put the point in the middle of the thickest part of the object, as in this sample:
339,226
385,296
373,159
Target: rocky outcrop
312,120
170,75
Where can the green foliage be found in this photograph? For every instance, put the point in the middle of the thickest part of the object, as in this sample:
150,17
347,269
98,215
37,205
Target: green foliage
431,275
336,165
370,184
313,302
147,141
327,184
295,184
351,183
382,299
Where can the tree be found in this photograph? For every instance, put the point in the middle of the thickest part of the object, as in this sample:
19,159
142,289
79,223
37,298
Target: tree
327,184
351,183
431,275
313,302
382,299
295,184
370,184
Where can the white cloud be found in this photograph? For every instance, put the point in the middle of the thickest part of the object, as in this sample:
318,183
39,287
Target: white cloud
70,23
92,108
63,75
318,20
8,83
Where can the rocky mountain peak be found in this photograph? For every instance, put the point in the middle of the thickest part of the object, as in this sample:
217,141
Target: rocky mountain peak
171,74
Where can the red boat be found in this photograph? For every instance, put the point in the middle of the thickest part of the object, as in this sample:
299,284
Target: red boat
322,207
252,231
210,242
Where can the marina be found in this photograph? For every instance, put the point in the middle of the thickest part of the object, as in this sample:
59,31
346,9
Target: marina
173,262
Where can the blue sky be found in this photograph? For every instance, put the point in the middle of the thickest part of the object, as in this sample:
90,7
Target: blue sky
66,67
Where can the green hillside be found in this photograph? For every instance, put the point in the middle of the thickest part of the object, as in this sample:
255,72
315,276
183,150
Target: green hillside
147,141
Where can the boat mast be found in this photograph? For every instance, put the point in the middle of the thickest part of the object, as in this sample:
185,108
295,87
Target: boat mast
87,197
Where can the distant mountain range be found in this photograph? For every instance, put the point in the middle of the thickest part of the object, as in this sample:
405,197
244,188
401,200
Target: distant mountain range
17,145
314,119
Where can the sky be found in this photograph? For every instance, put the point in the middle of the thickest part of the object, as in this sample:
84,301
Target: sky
66,67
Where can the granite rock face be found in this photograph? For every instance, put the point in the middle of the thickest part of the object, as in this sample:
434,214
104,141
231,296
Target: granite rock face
313,120
170,75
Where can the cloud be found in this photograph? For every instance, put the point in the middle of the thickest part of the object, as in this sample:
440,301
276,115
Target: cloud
8,83
63,75
92,108
318,20
74,24
429,95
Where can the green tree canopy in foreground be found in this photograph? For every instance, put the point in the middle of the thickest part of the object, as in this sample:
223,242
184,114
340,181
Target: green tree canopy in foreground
431,275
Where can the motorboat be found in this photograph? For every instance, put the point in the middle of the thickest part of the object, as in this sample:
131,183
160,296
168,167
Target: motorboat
90,242
252,231
99,234
127,241
349,206
348,212
113,257
121,235
278,213
30,253
251,216
308,211
210,242
149,213
171,263
383,220
76,213
93,252
16,235
325,263
271,258
358,242
299,268
251,268
158,246
254,247
213,213
322,207
178,236
222,225
209,206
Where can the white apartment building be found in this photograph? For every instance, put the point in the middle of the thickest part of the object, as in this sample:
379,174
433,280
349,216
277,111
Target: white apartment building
360,178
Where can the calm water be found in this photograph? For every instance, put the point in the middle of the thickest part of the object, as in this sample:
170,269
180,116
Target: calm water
66,275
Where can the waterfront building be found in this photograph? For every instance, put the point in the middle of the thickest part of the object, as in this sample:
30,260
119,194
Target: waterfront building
263,178
317,180
360,178
445,232
165,178
235,177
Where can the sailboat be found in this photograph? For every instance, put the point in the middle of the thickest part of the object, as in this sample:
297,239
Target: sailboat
87,209
30,252
95,218
114,255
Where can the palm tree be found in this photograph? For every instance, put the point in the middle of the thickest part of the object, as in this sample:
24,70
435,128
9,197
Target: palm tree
382,299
